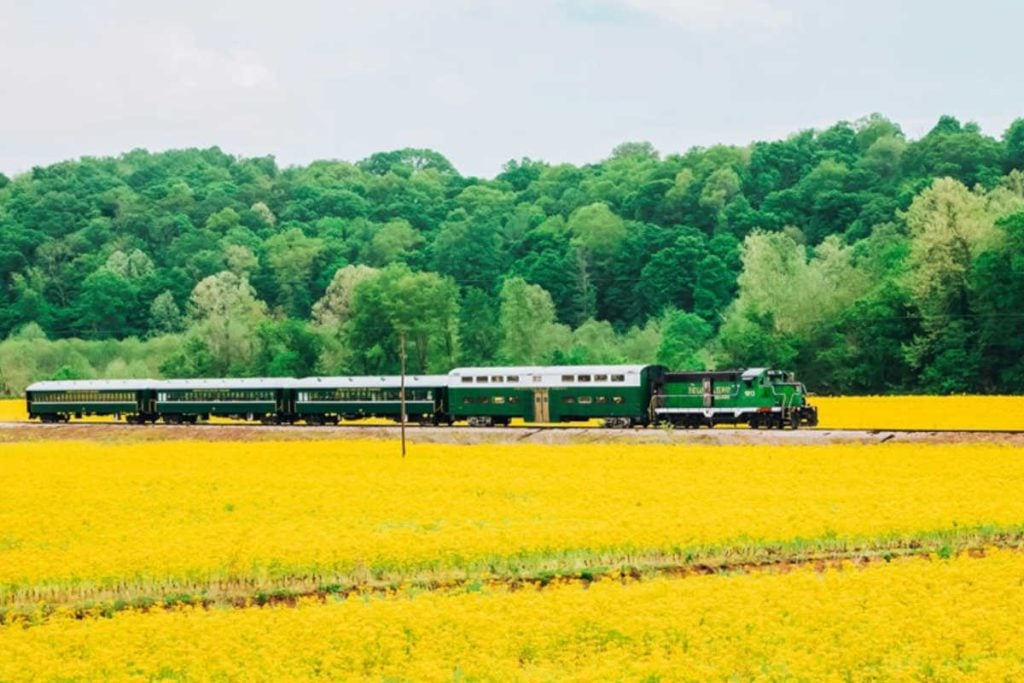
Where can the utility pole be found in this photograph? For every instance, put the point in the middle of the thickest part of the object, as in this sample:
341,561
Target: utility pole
401,389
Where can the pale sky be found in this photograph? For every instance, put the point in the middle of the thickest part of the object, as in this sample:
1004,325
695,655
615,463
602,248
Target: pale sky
485,82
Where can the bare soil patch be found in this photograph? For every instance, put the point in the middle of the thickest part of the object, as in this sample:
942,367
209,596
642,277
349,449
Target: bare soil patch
125,433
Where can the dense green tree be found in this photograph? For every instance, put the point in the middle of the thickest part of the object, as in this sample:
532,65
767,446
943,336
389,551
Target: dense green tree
1013,139
287,348
670,277
470,252
292,256
224,313
479,329
395,303
683,337
165,315
529,333
998,280
106,306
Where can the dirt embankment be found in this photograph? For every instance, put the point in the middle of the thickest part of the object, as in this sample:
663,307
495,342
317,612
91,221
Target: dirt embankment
124,433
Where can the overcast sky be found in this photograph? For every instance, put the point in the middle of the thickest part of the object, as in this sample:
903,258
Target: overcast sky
485,82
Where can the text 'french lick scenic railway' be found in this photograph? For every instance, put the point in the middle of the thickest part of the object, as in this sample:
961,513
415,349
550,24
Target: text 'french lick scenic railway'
619,395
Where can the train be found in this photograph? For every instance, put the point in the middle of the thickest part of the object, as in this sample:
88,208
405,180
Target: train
622,396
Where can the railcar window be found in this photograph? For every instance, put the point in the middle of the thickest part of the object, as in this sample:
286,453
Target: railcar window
568,378
481,380
586,399
618,378
537,378
499,400
616,399
600,378
485,399
467,380
496,378
512,378
602,399
568,399
513,399
583,378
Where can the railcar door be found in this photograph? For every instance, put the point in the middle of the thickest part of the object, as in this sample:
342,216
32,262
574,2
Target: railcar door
709,395
541,407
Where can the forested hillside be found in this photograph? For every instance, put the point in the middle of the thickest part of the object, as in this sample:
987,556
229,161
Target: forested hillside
865,261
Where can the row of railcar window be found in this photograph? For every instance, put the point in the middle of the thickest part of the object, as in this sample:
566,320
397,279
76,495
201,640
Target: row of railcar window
568,379
216,395
85,396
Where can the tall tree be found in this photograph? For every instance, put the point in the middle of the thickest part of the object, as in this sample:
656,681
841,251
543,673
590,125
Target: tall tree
529,332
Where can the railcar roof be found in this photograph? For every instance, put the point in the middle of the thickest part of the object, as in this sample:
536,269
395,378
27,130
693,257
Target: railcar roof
549,370
371,381
93,385
237,383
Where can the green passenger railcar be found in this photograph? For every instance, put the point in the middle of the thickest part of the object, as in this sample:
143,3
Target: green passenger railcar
59,401
326,400
759,397
621,395
256,398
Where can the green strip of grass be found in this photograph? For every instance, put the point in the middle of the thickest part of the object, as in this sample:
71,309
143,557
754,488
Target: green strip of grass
32,603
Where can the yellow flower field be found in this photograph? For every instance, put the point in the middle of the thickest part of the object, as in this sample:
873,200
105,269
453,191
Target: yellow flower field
843,412
149,518
921,412
912,620
13,409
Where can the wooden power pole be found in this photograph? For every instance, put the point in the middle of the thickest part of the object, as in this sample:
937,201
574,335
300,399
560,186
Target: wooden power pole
401,389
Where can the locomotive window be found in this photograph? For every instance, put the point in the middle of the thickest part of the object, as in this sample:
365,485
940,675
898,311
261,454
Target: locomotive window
583,378
600,378
568,378
467,380
618,378
586,399
481,380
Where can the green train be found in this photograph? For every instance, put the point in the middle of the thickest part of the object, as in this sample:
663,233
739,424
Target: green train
620,395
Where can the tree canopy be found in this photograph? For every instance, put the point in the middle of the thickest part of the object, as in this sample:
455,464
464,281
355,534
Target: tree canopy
866,261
